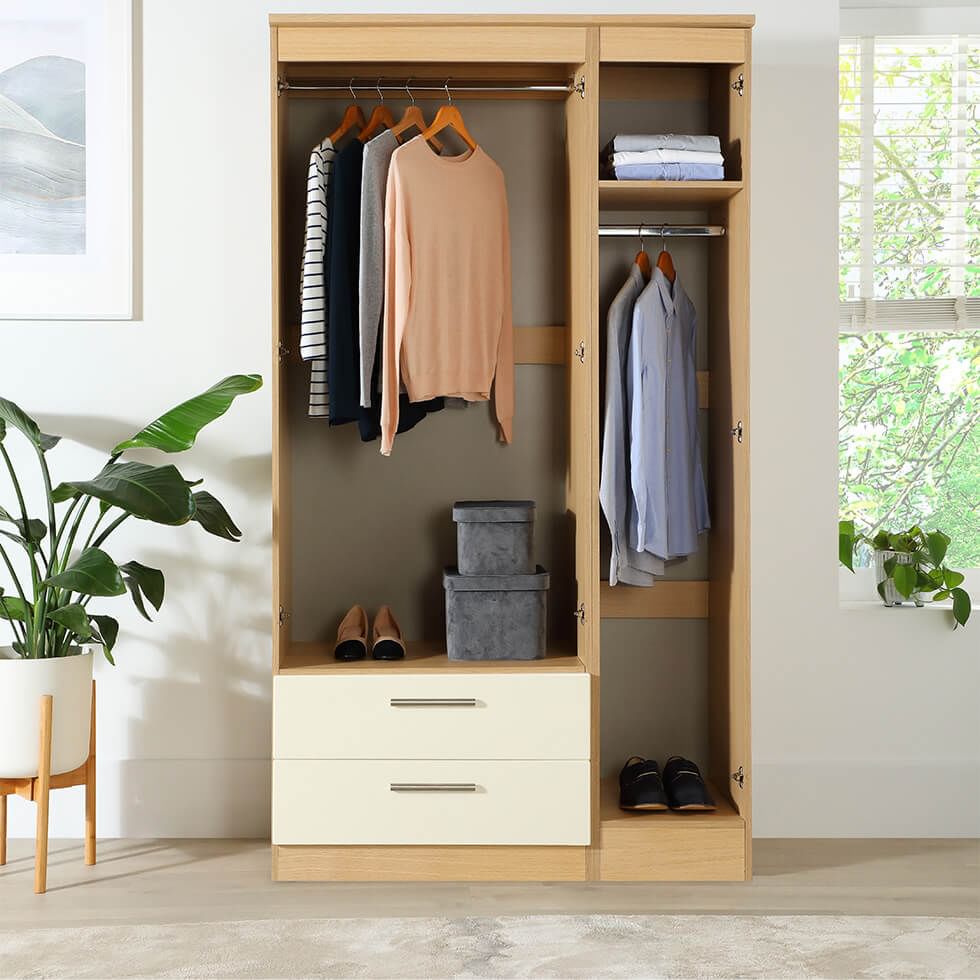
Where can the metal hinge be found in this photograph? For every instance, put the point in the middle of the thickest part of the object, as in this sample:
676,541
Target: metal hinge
739,777
284,352
738,85
579,86
580,351
281,85
738,431
283,616
579,613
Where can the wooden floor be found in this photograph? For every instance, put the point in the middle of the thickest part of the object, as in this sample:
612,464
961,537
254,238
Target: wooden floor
146,881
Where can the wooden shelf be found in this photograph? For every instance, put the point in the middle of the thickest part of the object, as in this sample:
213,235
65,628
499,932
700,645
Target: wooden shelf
664,195
665,600
421,658
670,845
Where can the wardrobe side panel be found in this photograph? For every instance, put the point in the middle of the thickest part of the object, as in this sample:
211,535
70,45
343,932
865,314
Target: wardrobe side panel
729,635
582,126
281,552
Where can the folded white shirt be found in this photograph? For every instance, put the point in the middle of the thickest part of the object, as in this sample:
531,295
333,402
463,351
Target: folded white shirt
632,157
664,141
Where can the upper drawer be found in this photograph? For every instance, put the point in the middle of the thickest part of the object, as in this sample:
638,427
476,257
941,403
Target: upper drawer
717,45
463,44
432,716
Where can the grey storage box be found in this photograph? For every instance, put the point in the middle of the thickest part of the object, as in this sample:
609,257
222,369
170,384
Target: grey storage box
494,537
496,617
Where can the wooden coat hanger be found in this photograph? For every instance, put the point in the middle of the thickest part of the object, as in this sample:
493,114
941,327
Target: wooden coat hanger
664,262
642,259
380,117
353,116
413,117
449,115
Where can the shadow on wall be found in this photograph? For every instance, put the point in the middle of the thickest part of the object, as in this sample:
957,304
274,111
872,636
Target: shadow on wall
193,741
202,732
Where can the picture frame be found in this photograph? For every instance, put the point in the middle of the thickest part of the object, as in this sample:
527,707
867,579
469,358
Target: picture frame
67,175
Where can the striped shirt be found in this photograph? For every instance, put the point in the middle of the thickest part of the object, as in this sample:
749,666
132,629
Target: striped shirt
313,282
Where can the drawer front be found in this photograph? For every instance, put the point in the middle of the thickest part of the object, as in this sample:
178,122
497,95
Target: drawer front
415,802
431,43
722,45
432,716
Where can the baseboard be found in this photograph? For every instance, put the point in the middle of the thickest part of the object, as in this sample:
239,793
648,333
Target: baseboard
143,798
866,799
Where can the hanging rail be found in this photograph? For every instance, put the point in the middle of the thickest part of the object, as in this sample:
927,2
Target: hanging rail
431,85
661,231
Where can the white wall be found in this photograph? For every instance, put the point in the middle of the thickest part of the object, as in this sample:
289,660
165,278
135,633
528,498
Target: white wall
845,733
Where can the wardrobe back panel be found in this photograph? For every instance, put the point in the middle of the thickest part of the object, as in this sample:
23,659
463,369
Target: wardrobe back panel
374,530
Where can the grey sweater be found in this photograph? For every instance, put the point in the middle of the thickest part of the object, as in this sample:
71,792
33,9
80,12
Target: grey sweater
371,277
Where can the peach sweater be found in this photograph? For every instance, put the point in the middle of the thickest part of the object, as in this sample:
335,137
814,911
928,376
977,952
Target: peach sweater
447,317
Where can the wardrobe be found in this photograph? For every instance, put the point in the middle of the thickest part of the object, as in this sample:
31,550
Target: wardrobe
427,769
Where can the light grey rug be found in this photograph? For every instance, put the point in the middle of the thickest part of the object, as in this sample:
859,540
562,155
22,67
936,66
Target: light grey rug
507,946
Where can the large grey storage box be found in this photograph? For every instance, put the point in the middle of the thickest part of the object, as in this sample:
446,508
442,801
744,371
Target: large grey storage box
496,617
494,537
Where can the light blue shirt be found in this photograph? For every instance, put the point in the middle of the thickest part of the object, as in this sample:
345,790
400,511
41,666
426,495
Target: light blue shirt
669,171
666,471
625,565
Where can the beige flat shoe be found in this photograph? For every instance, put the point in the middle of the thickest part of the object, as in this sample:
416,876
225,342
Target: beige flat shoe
352,635
387,640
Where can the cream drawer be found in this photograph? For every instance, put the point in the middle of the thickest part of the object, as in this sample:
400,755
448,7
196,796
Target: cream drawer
432,716
415,802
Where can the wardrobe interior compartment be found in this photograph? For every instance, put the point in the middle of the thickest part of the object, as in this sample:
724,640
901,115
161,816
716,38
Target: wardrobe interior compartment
673,672
358,527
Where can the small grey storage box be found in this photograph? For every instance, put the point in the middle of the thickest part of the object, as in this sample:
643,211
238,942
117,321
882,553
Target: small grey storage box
494,537
496,617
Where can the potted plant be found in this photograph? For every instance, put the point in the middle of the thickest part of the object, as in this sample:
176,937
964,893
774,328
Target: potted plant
53,567
908,565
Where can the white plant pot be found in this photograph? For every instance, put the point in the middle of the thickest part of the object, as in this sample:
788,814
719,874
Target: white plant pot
22,683
892,596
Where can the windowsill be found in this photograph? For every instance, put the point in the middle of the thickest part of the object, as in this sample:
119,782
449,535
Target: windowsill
861,605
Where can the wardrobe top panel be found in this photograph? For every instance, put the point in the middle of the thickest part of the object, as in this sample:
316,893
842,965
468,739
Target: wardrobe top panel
522,20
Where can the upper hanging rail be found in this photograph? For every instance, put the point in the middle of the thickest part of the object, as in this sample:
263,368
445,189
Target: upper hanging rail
661,231
432,85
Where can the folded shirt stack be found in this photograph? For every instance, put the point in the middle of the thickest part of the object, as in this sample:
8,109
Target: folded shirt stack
664,157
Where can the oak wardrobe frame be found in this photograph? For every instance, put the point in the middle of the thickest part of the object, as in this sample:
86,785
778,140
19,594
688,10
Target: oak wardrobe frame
528,728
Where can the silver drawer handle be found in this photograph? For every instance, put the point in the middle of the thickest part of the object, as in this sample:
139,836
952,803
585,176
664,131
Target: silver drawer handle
433,787
433,702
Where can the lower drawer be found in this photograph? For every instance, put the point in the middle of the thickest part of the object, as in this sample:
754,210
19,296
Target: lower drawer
422,802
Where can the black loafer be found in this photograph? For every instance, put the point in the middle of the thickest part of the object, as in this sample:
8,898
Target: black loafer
640,786
685,786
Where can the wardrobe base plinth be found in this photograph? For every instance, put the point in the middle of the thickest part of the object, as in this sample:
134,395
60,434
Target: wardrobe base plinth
314,862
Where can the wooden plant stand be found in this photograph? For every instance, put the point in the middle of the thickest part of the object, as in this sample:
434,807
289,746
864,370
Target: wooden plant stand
38,788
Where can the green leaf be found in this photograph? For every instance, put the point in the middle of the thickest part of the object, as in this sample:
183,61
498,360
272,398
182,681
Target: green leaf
34,532
904,578
13,415
141,580
962,607
153,493
941,595
177,429
12,607
951,578
48,442
937,543
74,618
63,492
93,573
845,544
210,513
106,632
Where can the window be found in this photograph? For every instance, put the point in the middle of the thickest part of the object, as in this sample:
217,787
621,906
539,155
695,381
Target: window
910,286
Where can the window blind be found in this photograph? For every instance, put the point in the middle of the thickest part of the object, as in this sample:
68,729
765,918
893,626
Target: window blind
909,146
